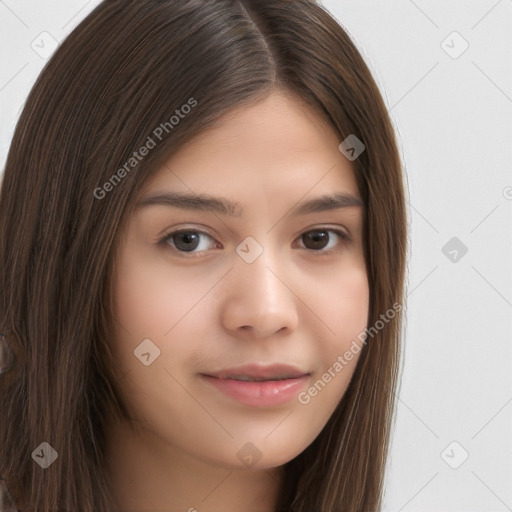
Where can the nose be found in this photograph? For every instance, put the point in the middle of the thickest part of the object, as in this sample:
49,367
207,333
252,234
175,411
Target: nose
258,298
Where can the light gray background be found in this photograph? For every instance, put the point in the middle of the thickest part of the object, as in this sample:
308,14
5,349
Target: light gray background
453,115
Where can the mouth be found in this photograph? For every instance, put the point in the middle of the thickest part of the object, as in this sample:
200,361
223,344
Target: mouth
258,385
259,373
247,378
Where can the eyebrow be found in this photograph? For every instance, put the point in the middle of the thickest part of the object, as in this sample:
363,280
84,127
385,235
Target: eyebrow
224,206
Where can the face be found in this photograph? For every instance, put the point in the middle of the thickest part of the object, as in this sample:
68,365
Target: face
234,309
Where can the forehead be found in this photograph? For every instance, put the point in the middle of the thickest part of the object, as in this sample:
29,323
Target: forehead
279,145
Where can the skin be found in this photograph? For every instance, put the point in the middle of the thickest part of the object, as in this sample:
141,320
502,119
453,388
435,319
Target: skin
213,310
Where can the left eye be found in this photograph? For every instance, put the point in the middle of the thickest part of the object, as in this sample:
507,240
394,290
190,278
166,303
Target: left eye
318,240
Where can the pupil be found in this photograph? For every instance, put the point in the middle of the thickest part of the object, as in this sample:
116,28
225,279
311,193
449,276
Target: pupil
318,239
186,241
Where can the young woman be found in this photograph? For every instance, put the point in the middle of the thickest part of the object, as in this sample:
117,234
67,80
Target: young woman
203,243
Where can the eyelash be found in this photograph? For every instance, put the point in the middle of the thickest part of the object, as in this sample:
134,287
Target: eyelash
164,241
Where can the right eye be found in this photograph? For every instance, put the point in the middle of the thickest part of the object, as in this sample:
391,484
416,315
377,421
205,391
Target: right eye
188,241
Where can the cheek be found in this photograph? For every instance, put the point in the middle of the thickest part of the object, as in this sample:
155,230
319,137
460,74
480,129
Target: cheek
151,302
151,297
345,307
345,304
154,301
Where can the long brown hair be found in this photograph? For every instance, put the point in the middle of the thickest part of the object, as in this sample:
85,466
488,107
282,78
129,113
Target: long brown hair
121,73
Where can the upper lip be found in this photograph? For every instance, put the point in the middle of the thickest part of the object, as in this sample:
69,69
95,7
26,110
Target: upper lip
259,371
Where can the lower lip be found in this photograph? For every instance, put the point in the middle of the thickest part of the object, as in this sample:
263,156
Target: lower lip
259,394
